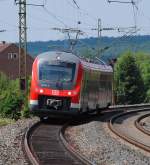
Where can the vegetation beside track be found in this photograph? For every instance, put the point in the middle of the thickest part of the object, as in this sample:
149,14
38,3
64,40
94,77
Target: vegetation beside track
5,121
132,86
132,78
13,102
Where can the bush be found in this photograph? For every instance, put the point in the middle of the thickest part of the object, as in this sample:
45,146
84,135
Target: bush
25,109
11,99
129,82
147,99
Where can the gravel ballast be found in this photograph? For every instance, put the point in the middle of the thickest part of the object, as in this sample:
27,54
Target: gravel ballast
91,139
147,124
11,142
94,142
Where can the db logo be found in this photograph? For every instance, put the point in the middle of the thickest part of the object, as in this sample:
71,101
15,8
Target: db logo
55,92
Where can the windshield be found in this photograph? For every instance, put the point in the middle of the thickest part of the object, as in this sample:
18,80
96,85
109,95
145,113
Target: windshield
57,75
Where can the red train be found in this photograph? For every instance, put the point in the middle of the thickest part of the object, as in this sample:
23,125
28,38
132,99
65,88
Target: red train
63,83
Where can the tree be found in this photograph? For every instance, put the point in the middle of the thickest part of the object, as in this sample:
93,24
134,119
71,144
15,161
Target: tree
143,62
129,84
10,97
88,53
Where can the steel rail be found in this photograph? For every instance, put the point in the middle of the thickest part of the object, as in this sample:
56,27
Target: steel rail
130,107
72,149
31,154
27,147
139,126
123,136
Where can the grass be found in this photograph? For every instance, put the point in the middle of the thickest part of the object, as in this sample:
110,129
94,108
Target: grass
5,121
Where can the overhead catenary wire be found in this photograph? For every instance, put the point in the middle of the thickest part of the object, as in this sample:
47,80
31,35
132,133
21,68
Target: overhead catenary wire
54,16
134,7
81,10
60,19
128,34
74,1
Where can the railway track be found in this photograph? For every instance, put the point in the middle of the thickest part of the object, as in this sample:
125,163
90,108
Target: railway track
140,122
124,125
45,143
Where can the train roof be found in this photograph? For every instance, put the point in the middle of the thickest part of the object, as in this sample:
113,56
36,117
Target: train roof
69,57
99,67
54,55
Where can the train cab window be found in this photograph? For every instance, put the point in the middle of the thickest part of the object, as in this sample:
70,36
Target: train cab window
59,75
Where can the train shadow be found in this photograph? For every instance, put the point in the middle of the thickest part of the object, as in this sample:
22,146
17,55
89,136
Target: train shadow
87,118
80,119
77,119
56,120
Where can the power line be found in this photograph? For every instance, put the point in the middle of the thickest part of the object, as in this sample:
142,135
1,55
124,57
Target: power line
69,31
128,34
76,4
83,11
54,16
8,23
134,6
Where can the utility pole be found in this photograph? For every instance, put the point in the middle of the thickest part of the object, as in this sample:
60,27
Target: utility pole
22,44
135,8
74,41
112,63
99,34
99,30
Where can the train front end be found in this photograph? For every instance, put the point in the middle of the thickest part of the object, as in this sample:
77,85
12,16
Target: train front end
55,85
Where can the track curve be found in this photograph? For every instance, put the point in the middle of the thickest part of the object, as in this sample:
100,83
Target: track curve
44,143
123,126
139,123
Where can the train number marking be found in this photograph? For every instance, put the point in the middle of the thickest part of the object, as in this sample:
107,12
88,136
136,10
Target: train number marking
55,92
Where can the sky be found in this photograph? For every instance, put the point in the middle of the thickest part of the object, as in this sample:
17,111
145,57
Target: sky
65,14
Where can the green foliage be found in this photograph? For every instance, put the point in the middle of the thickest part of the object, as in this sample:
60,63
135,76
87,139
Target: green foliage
88,53
10,98
129,83
143,61
118,45
147,99
13,102
5,121
25,108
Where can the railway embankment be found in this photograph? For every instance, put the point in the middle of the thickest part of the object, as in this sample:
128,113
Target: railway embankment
94,140
11,142
90,137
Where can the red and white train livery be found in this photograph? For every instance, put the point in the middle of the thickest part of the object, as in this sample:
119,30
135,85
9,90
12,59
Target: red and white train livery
63,83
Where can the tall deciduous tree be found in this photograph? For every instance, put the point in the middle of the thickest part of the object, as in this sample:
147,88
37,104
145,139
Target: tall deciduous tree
129,84
143,61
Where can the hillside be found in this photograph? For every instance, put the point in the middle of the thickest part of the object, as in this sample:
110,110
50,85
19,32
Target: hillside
116,45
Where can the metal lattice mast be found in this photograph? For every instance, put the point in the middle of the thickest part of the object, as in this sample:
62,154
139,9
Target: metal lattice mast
22,44
99,30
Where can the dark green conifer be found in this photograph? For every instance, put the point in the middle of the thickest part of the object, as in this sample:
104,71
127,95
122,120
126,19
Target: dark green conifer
129,84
